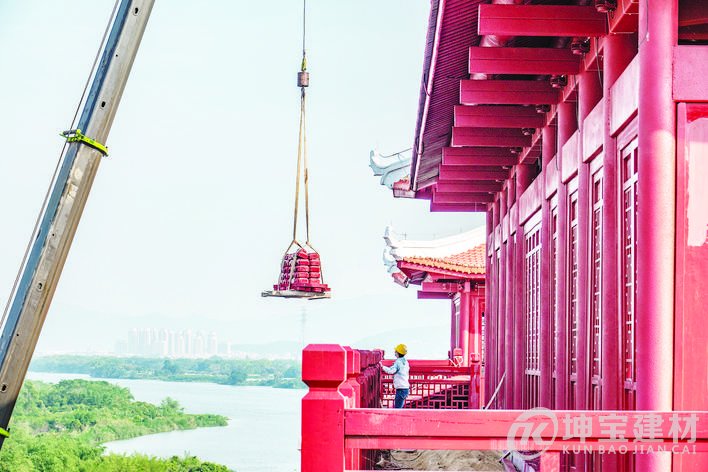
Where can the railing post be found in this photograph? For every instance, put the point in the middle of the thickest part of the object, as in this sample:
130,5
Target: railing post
323,370
475,383
352,392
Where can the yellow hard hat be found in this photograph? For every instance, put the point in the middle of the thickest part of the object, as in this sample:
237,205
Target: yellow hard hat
402,349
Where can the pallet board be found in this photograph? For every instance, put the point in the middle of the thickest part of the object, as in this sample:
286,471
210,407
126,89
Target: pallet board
296,294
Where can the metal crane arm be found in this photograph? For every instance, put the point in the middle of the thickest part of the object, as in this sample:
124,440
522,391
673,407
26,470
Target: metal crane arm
39,275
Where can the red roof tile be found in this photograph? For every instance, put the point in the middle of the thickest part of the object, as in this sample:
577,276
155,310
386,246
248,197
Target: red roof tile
471,261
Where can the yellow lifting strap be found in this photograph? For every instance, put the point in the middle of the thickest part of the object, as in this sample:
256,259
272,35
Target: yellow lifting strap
76,136
4,432
302,171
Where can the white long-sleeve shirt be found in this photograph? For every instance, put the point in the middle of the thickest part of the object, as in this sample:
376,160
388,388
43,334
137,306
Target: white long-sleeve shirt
399,370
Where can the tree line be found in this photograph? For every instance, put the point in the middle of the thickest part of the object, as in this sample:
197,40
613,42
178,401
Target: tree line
280,373
61,427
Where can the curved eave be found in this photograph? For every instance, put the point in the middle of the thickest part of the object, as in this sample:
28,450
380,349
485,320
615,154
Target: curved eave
413,270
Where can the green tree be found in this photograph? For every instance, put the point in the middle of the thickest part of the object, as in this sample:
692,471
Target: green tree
237,377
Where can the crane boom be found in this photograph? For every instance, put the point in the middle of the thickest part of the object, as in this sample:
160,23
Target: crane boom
39,274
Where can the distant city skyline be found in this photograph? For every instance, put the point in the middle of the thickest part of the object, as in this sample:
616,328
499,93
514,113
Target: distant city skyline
185,344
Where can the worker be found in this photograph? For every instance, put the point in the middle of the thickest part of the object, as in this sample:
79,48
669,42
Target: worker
399,370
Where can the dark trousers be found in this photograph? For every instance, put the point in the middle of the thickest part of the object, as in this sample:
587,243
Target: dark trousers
401,394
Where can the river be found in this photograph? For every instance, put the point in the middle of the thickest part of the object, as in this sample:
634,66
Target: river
263,434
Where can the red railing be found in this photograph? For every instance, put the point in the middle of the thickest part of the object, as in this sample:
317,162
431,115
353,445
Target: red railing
338,435
435,385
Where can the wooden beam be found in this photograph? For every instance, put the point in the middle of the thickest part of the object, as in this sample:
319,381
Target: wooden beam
442,287
445,186
541,20
451,157
375,428
471,173
507,60
476,151
507,92
419,270
462,198
499,137
453,208
498,116
423,295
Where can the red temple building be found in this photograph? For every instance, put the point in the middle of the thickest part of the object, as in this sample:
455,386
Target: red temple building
581,129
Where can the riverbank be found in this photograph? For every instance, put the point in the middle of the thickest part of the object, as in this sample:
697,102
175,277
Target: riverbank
61,427
279,373
262,435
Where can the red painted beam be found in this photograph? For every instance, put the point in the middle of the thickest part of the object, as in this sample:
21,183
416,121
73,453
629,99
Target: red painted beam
462,198
472,173
477,151
508,60
489,429
422,295
462,157
445,186
437,273
500,137
499,116
443,287
453,207
541,20
507,92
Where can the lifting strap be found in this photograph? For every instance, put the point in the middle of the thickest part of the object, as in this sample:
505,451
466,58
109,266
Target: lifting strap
302,170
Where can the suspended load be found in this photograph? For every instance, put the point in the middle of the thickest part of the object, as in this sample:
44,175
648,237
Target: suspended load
301,267
300,275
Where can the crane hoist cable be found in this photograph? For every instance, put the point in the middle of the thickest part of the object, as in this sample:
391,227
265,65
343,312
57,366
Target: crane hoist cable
301,269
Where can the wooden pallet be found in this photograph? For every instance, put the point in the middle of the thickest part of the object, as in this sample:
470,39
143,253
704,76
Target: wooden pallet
296,294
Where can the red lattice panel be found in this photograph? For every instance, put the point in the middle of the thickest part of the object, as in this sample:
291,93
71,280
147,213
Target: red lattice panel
437,390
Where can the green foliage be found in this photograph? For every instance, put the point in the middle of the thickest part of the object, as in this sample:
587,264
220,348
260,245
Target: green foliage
279,373
59,427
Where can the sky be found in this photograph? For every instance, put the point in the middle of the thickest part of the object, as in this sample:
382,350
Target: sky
189,215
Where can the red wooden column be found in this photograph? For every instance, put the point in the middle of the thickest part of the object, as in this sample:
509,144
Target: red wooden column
658,30
475,334
566,126
323,370
618,52
491,296
464,339
524,175
501,309
513,377
454,337
546,340
589,93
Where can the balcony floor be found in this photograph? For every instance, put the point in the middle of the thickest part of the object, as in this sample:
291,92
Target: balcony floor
442,460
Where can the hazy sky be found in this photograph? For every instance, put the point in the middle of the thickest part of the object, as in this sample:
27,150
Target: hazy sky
188,217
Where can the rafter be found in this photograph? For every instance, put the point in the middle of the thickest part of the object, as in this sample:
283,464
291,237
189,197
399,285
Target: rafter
456,186
507,92
462,198
522,61
470,173
452,207
541,20
498,137
498,116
